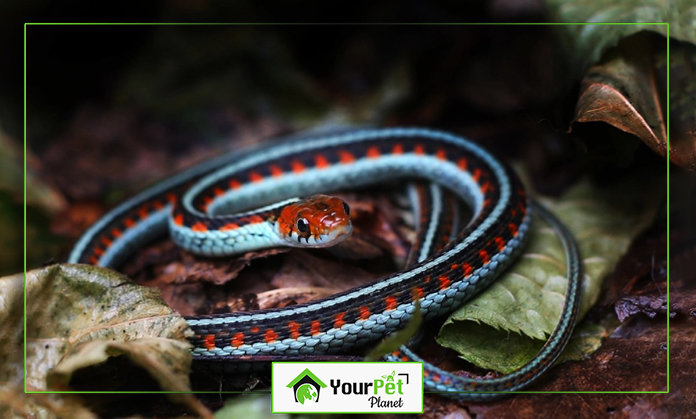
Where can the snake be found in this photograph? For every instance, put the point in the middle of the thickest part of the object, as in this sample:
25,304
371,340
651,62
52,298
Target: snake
275,195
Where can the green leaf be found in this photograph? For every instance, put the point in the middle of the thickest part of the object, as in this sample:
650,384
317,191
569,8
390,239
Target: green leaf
495,329
587,43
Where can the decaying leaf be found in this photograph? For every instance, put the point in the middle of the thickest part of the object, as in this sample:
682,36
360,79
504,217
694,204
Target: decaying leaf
624,93
72,304
527,299
12,332
292,295
609,89
303,269
80,316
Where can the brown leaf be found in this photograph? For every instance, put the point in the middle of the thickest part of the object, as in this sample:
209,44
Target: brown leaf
303,269
15,403
217,271
377,225
165,360
289,296
623,92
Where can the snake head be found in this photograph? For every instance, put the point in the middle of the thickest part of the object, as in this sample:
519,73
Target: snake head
317,221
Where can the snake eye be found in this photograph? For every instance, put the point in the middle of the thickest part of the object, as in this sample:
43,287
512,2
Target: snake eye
346,208
303,225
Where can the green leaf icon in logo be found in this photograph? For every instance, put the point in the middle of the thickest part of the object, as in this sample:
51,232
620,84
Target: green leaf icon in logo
389,377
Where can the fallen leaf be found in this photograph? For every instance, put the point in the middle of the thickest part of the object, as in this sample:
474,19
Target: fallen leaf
79,316
12,332
527,299
303,269
288,296
623,92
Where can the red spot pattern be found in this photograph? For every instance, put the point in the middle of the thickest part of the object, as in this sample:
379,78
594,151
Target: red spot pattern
339,320
255,177
199,227
229,226
484,256
390,303
462,164
276,171
346,157
321,162
468,270
373,153
294,328
477,175
209,342
500,243
513,229
297,166
270,336
237,340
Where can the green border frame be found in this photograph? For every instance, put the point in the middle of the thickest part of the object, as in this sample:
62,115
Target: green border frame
348,362
401,24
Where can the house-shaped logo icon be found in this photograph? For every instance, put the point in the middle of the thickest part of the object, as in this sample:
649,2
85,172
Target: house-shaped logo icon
306,387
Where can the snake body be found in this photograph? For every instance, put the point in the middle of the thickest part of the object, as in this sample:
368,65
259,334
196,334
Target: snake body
256,186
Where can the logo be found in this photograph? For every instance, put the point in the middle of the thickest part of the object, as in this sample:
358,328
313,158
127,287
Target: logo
347,387
306,387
